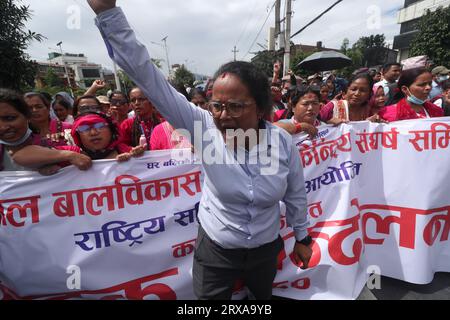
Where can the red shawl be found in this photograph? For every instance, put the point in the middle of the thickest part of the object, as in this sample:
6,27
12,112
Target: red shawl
403,111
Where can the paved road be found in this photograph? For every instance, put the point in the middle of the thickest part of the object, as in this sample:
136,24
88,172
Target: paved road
392,289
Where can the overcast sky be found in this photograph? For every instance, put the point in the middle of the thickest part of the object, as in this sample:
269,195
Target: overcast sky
202,33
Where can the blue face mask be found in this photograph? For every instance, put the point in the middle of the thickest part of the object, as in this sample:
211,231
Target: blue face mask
18,142
443,78
414,100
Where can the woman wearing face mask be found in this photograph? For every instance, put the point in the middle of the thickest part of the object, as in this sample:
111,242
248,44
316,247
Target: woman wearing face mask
415,86
17,152
443,100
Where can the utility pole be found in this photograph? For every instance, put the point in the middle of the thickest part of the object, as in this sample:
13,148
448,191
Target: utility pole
235,51
277,24
287,42
167,56
65,67
116,77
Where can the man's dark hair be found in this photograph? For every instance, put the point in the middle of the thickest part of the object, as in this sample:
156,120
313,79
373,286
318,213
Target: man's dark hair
77,103
120,93
388,66
196,91
254,80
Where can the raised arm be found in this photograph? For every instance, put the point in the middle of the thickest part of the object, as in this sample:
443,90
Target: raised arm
133,58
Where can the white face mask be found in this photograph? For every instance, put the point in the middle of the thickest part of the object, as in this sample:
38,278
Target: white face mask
18,142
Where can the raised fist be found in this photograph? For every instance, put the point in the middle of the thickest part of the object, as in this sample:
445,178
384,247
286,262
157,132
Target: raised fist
101,5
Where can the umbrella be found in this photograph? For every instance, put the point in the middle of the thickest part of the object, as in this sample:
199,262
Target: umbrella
325,60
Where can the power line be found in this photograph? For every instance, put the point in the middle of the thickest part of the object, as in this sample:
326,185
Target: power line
258,21
248,21
317,18
259,32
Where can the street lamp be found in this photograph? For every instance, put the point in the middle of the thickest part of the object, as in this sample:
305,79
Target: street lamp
167,52
65,67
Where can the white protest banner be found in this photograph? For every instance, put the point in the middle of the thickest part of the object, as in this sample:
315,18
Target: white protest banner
122,231
377,199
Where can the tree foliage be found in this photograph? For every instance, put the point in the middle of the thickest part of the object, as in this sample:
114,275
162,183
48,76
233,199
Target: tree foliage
433,38
52,80
157,62
183,77
126,82
299,57
264,61
373,50
16,69
353,53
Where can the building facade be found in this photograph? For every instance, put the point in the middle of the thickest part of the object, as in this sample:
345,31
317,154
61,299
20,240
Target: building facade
85,72
60,72
408,18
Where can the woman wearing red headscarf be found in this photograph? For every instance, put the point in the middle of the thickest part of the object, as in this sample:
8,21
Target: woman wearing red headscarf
94,134
97,136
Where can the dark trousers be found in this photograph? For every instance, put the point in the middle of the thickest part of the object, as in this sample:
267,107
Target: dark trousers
216,269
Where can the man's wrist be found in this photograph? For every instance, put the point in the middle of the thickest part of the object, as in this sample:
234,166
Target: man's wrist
305,241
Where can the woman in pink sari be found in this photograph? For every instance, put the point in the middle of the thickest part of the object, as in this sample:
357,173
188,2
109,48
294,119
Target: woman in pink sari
354,105
48,132
415,86
165,137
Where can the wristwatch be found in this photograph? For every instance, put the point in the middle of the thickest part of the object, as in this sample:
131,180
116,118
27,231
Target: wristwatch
306,241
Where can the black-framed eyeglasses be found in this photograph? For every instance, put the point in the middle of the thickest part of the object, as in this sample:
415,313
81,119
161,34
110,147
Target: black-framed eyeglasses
234,108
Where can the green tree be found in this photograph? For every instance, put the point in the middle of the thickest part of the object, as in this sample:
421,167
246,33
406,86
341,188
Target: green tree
353,53
183,77
157,62
433,37
16,69
299,57
373,49
52,80
264,61
127,83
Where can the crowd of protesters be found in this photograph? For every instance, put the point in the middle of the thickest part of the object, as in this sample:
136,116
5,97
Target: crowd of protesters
45,133
299,105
